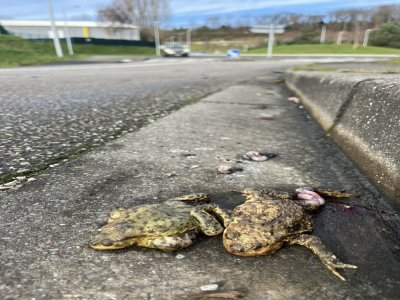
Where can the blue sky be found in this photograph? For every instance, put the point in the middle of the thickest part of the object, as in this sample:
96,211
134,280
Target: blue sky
183,12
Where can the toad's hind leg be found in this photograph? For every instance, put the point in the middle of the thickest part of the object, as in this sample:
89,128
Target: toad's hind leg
206,215
334,193
326,256
199,197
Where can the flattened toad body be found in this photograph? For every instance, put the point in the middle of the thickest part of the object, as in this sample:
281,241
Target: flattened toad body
170,226
269,220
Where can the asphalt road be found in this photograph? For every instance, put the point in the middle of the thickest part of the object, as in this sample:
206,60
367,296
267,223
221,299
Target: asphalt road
51,113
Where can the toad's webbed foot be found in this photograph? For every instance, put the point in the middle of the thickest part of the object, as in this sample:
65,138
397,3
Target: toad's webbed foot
326,256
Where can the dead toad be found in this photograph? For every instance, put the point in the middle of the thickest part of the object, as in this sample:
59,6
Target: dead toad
170,225
268,220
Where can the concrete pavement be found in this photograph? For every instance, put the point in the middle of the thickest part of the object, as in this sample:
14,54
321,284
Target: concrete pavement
51,113
46,224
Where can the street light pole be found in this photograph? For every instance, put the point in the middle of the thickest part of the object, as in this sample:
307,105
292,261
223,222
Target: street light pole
366,37
189,39
156,27
323,34
67,35
356,36
157,38
57,45
271,38
340,38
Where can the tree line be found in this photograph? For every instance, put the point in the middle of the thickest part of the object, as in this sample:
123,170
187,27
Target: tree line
145,12
138,12
148,13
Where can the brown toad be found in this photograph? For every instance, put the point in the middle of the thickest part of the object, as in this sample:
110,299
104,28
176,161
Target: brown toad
269,220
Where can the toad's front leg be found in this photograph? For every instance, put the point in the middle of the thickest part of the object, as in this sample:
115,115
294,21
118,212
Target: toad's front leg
207,217
326,256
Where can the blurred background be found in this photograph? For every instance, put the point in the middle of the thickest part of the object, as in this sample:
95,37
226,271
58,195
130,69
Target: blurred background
147,27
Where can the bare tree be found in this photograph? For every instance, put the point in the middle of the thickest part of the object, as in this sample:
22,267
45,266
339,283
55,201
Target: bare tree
386,14
115,13
247,20
314,19
294,19
213,21
138,12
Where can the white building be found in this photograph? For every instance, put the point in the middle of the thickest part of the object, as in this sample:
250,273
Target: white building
78,29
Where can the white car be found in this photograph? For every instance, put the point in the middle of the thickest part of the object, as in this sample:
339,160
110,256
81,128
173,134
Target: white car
176,50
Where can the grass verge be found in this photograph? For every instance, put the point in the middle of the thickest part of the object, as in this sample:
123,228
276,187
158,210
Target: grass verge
15,51
325,49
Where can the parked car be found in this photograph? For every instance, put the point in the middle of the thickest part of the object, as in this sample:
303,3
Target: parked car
175,50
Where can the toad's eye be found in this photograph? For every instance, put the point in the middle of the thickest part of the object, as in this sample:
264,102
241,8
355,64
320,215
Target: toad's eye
106,242
231,234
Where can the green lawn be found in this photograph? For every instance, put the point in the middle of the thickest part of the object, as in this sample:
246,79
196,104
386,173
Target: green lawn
15,51
324,49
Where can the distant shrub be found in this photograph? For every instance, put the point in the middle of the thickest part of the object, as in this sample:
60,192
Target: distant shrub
388,35
3,31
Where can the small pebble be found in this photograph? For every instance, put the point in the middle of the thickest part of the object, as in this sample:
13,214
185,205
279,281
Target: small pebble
225,169
265,117
255,156
209,287
180,256
258,156
172,174
294,100
229,169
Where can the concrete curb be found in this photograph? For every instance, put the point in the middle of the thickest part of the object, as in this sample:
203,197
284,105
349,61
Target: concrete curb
362,114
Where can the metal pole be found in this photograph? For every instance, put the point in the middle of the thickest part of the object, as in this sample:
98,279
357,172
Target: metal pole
323,34
271,40
356,37
156,28
340,38
157,38
180,38
189,39
67,35
366,37
57,45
